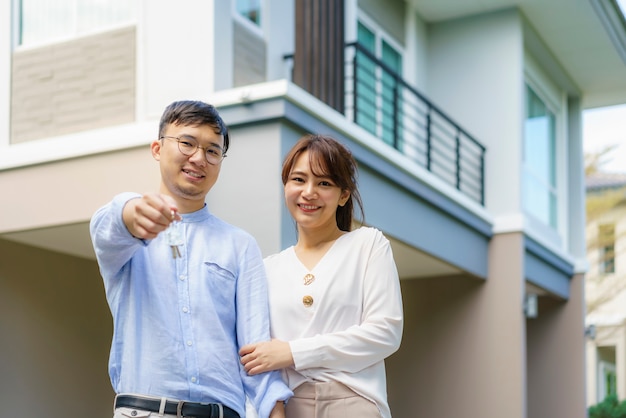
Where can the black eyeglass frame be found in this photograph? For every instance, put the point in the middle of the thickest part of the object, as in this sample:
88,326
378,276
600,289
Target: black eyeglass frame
181,138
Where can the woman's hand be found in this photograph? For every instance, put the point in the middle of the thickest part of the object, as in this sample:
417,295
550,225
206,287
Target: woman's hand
265,356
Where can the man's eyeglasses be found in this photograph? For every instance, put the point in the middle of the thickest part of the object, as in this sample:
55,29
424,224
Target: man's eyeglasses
188,146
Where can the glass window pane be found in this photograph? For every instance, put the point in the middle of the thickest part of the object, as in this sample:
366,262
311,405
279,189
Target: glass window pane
390,94
94,14
539,155
42,20
366,84
378,87
250,9
47,20
539,139
366,38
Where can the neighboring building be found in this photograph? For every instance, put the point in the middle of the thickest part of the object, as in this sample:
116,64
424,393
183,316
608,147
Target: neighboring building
465,118
605,286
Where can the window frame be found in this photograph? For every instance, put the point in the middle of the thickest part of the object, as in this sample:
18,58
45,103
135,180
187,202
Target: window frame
604,369
555,100
256,28
606,248
380,36
548,186
74,33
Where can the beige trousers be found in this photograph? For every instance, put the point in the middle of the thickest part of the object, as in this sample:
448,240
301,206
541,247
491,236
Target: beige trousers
329,400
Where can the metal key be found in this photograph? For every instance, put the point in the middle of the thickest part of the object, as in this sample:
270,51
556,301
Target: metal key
174,236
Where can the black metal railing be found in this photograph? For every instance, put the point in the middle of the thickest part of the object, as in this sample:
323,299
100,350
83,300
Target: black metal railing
378,99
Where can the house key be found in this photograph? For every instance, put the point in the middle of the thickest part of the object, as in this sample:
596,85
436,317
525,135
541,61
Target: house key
174,236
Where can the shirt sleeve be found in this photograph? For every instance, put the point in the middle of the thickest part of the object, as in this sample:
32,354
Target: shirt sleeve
264,389
113,243
380,331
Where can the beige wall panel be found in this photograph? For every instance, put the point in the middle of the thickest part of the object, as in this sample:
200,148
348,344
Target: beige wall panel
249,192
462,353
67,192
56,333
73,86
556,357
249,56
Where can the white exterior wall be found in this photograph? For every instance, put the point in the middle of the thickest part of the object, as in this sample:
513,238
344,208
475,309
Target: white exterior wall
416,59
609,317
613,284
278,27
592,374
249,188
606,336
476,75
184,51
5,74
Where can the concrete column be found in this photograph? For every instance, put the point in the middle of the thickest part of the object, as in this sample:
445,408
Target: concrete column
620,361
503,331
463,350
592,373
556,357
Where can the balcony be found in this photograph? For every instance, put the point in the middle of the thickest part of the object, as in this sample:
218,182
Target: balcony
378,99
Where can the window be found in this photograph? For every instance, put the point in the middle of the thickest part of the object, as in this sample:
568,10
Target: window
48,20
366,76
606,248
250,9
377,88
390,94
539,188
607,383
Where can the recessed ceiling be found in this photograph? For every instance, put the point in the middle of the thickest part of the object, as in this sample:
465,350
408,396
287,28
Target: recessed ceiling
74,240
572,30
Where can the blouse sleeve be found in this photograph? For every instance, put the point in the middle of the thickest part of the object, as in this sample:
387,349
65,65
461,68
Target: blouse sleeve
380,331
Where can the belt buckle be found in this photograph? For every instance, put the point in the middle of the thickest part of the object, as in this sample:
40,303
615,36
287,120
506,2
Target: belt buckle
179,409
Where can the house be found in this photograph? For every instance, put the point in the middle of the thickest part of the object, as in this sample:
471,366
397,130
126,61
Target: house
465,119
604,286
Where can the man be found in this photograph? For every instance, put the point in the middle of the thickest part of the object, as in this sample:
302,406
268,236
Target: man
186,290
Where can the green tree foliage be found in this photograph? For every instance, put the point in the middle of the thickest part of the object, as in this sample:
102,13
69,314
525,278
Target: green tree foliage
610,407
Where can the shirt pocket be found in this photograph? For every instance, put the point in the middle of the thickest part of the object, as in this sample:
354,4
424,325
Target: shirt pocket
222,286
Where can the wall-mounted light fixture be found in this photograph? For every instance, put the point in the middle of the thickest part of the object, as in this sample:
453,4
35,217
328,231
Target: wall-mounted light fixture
531,308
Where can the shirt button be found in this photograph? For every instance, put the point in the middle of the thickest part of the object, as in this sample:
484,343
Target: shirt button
193,379
182,277
189,343
185,309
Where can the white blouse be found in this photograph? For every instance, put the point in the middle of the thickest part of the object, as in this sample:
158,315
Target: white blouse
352,319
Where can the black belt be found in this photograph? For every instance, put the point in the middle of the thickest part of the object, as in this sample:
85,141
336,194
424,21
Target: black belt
182,408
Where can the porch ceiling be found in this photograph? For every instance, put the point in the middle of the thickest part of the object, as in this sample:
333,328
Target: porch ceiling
67,239
74,240
574,32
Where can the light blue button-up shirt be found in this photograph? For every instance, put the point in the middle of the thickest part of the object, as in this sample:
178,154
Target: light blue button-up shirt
179,322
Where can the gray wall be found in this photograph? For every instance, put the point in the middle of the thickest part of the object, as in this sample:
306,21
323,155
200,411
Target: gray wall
56,332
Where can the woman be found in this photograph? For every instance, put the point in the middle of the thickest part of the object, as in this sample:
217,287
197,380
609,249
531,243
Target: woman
335,302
